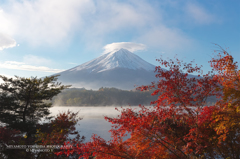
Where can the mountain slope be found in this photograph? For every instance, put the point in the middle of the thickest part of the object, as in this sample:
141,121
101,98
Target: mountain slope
119,59
121,69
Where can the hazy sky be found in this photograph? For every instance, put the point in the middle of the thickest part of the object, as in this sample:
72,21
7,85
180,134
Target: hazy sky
42,37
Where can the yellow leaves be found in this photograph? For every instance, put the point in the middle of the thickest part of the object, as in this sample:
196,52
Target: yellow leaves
238,109
227,118
229,105
217,89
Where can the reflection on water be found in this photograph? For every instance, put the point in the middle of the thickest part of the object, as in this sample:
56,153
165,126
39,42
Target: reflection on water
93,121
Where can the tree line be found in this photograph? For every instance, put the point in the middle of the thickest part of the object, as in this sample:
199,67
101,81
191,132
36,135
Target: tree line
102,97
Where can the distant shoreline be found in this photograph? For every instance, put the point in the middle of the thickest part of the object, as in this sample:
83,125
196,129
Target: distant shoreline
102,106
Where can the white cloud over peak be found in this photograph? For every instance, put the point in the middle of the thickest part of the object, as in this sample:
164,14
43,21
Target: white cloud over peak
6,41
130,46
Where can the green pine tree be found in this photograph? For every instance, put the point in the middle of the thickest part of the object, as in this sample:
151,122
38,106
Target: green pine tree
23,101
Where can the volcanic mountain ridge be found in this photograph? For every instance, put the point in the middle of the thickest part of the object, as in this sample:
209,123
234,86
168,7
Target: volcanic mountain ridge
120,69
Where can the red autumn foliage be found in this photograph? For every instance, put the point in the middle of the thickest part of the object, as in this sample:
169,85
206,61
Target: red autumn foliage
58,130
179,125
8,137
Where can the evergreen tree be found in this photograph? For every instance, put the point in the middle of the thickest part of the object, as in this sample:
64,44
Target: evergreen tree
24,101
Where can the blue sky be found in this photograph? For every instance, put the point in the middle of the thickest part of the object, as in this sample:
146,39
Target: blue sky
42,37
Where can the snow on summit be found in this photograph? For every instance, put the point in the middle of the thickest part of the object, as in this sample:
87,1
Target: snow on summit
118,59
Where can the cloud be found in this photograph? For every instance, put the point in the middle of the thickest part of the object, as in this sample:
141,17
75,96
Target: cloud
130,46
6,41
49,22
165,38
14,63
112,15
198,14
22,66
43,21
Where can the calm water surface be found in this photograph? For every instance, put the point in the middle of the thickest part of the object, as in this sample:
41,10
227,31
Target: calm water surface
93,121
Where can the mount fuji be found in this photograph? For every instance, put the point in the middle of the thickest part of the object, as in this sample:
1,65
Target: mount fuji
120,69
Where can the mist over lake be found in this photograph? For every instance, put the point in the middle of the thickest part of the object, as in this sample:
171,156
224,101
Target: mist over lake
93,121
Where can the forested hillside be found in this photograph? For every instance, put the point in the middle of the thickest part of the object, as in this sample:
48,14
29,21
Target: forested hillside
105,97
102,97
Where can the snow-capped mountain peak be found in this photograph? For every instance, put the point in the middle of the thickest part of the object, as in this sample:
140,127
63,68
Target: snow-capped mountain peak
118,59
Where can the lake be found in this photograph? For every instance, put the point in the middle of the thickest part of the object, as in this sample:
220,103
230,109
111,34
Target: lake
93,121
